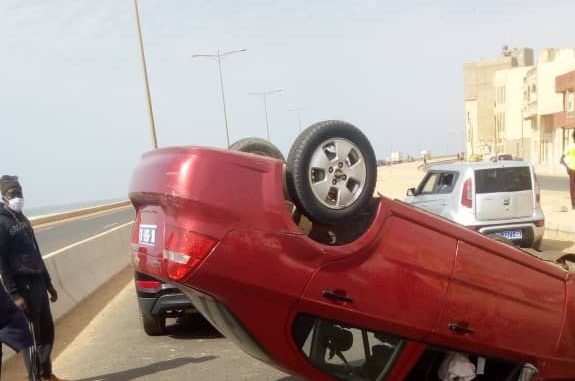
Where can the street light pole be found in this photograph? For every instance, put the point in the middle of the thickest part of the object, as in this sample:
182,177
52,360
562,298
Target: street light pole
298,111
264,95
146,82
218,58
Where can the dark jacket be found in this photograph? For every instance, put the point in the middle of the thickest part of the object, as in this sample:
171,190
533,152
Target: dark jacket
13,326
19,251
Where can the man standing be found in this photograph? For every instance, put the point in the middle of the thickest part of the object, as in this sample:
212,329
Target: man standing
568,160
25,277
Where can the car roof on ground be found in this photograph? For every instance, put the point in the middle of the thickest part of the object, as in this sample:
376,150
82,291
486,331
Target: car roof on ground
461,166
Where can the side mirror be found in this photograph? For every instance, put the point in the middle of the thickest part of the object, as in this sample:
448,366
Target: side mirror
411,192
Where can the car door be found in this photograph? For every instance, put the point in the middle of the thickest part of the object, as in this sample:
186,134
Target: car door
395,286
435,191
502,299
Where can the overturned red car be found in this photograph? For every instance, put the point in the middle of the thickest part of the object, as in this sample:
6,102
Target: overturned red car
304,269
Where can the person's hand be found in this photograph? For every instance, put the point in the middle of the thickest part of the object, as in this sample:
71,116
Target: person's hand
21,304
53,294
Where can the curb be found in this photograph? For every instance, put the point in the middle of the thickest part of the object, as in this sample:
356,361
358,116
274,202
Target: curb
40,220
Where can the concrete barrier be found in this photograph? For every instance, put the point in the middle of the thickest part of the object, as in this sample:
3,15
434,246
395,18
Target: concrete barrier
81,268
40,220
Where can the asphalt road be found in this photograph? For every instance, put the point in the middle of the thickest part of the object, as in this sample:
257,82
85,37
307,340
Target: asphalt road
554,183
114,347
55,236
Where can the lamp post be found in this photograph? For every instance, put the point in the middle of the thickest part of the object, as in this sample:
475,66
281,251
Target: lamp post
146,82
264,95
298,110
218,58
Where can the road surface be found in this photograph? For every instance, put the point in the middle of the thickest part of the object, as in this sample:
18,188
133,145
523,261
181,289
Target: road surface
57,235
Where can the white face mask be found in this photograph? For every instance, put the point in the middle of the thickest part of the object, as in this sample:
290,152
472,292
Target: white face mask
16,204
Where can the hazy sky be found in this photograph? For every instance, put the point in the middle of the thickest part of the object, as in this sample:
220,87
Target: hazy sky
72,108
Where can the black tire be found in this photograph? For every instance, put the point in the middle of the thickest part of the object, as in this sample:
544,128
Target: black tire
537,244
257,146
320,140
154,325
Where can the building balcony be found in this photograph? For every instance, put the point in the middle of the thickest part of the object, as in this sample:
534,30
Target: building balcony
564,119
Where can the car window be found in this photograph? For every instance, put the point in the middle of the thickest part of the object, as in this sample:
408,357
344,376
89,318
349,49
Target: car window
437,183
495,180
428,184
445,182
346,352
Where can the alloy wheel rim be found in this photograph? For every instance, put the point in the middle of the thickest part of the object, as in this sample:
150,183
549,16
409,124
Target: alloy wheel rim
337,173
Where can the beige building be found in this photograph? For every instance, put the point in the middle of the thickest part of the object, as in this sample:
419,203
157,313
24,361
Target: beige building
513,131
541,102
510,105
480,96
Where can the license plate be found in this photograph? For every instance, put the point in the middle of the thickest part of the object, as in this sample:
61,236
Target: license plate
511,234
147,235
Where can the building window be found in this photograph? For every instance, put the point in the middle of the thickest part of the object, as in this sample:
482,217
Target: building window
570,104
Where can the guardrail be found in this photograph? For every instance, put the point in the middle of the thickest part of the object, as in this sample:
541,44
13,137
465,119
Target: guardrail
40,220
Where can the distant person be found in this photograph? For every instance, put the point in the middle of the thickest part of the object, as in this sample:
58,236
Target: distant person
25,277
568,160
13,326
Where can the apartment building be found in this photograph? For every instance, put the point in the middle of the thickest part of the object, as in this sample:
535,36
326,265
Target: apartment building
514,133
542,102
520,113
480,97
564,121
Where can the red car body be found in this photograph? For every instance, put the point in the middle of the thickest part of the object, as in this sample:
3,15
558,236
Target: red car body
425,280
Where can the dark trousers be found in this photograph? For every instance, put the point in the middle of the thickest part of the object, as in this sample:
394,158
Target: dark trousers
572,187
38,358
13,326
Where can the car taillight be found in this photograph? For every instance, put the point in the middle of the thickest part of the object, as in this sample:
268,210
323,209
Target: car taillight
467,194
540,223
184,250
537,189
150,285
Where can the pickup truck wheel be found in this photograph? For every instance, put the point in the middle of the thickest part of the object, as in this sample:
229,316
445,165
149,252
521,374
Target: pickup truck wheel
257,146
154,325
331,172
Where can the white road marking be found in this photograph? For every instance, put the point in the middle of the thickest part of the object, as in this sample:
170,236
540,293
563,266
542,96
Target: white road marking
110,225
43,229
87,240
95,214
93,217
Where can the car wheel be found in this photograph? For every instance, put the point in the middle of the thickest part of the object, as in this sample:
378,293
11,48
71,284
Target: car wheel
331,172
537,244
257,146
154,325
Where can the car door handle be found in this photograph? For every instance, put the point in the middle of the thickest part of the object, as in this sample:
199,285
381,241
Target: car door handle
337,296
461,328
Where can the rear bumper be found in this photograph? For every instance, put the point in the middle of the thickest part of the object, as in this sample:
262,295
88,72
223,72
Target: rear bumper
531,233
170,304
